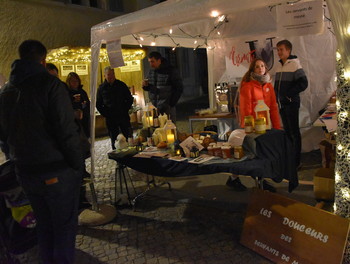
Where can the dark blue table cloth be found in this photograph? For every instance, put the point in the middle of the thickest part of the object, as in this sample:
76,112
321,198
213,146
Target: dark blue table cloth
272,158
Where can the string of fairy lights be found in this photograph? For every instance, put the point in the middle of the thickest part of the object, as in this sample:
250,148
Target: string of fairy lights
82,55
199,40
68,55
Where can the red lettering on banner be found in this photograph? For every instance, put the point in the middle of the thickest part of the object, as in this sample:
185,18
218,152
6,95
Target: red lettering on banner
238,59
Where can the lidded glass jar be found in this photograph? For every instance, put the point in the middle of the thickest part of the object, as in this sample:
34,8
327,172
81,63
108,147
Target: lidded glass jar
248,124
238,152
260,125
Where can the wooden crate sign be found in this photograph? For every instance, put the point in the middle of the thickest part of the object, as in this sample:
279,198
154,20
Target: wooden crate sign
287,231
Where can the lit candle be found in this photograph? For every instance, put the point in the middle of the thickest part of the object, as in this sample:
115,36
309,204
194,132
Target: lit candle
178,152
170,138
150,121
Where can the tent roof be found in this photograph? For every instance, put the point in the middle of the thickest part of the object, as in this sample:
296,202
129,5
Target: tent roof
190,19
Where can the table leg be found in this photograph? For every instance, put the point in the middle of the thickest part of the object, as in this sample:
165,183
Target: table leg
149,187
120,175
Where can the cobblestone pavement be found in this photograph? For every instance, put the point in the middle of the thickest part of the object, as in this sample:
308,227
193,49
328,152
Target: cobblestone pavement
160,230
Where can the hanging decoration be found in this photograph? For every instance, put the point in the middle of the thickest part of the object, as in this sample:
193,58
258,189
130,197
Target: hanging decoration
67,55
202,38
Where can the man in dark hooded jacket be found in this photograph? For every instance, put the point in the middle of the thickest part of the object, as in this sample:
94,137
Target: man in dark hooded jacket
37,124
164,85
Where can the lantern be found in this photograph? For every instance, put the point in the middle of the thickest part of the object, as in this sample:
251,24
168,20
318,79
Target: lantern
177,148
147,118
170,132
263,111
139,147
194,152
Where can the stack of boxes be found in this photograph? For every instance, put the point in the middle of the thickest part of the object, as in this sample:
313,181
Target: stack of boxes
324,177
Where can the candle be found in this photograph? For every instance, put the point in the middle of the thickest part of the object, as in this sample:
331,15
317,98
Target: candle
150,121
170,138
178,152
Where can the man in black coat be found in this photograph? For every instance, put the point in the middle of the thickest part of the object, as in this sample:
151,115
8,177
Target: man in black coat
164,85
113,102
37,124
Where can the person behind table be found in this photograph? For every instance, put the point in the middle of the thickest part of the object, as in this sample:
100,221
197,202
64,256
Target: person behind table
290,81
256,85
164,85
80,101
37,123
52,69
113,102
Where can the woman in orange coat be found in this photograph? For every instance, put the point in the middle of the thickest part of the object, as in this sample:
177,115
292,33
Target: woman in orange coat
256,85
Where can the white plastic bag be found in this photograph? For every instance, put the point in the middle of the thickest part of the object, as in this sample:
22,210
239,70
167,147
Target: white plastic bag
236,137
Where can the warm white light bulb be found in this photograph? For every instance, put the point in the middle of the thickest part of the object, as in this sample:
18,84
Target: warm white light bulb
337,177
343,114
345,193
219,33
171,31
195,42
347,74
214,13
153,43
141,38
337,104
348,30
338,56
221,18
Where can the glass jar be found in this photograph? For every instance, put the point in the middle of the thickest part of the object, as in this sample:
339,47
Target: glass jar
217,151
260,125
226,152
238,152
210,150
248,124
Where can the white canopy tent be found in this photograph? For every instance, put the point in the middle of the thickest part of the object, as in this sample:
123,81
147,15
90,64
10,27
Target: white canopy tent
249,20
238,23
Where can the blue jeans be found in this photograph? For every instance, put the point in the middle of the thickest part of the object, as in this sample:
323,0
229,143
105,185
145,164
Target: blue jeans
290,120
55,206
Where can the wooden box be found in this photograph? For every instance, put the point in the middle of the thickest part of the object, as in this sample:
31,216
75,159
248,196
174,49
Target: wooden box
324,184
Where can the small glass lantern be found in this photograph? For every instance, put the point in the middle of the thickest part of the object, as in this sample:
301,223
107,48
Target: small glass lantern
139,147
148,115
177,149
170,132
194,152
